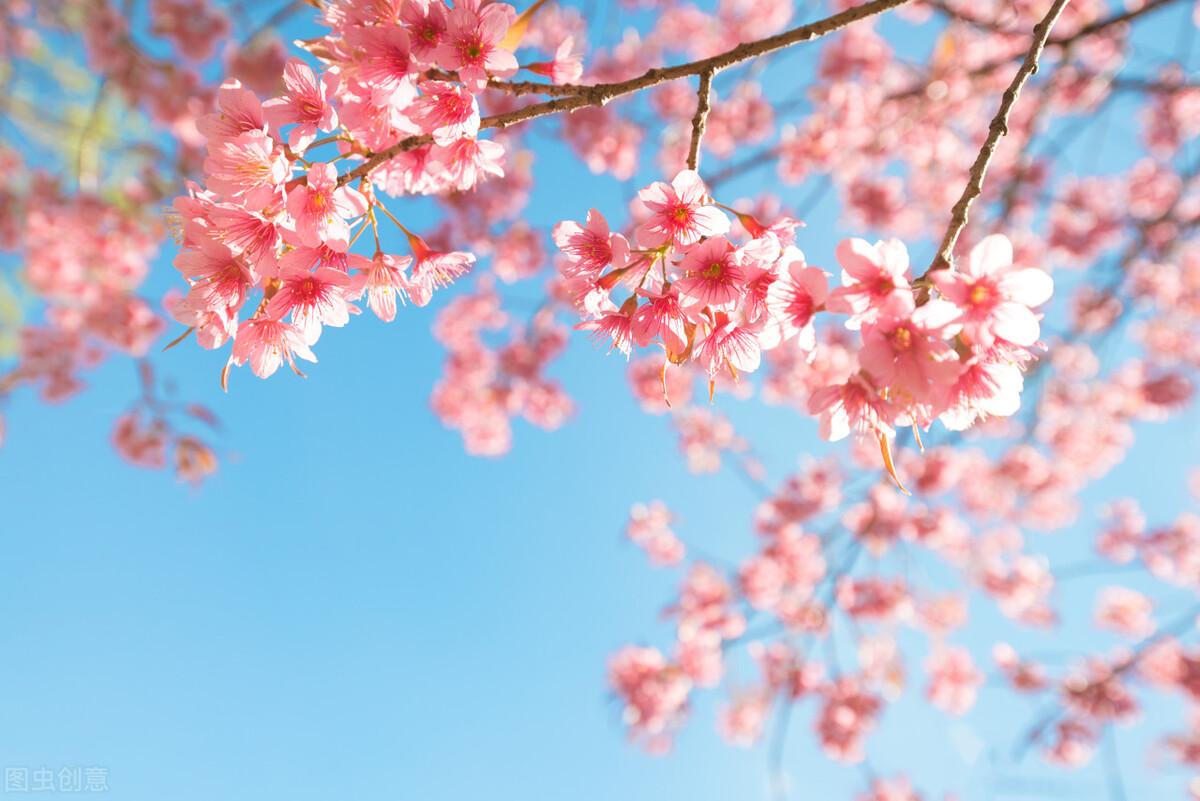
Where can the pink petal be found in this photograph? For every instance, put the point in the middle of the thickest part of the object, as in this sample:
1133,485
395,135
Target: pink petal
689,186
1031,286
1015,323
858,258
710,221
991,255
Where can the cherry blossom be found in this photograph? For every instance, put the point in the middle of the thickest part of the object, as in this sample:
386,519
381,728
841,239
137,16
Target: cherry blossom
396,157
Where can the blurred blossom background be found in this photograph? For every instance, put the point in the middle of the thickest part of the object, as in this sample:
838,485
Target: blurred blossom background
352,606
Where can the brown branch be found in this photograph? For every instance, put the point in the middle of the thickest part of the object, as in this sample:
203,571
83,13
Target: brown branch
998,128
517,88
700,121
1166,86
600,94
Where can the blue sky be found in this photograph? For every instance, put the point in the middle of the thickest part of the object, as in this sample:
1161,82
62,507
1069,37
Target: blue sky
354,608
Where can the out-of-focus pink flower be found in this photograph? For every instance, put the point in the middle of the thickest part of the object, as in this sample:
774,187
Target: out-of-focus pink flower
653,694
954,681
649,528
1125,611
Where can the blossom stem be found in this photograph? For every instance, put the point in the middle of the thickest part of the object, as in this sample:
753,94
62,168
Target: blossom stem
392,217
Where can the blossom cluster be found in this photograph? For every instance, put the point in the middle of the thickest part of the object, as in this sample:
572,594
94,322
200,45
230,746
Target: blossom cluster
484,387
807,589
267,237
949,345
86,259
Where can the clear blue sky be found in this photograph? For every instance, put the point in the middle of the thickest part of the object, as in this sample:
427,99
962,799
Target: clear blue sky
353,608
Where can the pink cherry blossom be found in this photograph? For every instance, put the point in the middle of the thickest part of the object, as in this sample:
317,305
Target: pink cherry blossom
566,66
267,343
850,407
730,345
1125,611
994,298
954,680
874,282
649,528
793,302
384,59
382,282
679,212
306,105
434,270
592,247
447,111
312,299
712,276
321,208
239,111
471,44
653,693
846,716
249,166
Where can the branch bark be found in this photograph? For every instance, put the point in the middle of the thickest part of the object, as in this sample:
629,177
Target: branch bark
700,121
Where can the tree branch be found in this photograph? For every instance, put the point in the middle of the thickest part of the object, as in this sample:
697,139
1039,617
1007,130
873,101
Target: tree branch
1099,26
600,94
996,131
1108,22
700,121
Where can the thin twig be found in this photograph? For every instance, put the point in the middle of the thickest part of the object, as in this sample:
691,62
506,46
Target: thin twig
1108,22
600,94
920,87
1175,628
998,128
700,121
